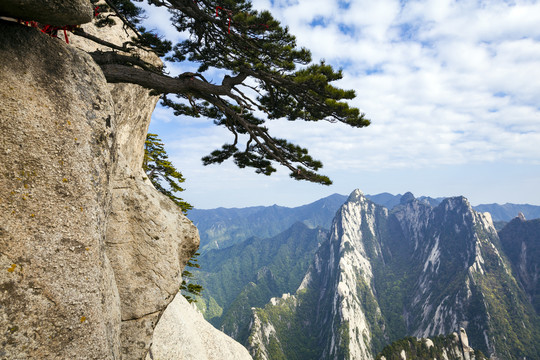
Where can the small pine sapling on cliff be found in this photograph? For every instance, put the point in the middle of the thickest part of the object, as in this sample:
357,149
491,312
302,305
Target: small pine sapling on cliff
158,168
189,289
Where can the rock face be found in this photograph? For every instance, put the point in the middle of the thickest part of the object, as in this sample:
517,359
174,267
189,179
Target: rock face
352,245
91,253
148,239
58,295
53,12
182,333
521,240
383,275
452,347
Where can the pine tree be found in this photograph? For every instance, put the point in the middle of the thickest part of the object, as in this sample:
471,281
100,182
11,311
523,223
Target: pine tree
159,169
190,289
258,55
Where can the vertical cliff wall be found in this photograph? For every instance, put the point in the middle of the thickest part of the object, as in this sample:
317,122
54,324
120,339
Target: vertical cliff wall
58,294
148,239
91,254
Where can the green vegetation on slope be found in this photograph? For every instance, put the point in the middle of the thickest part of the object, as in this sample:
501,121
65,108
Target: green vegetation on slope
248,274
514,326
418,349
521,242
292,319
221,228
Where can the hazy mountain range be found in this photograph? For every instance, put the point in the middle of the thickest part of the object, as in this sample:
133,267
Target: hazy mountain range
223,227
343,277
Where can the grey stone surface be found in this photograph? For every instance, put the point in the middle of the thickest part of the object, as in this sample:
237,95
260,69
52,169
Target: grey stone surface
464,339
149,240
52,12
90,253
58,296
183,334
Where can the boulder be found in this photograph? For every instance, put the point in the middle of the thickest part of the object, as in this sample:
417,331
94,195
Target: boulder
183,333
52,12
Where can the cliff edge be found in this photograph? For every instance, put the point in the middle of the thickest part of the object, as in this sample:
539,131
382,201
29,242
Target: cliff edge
90,253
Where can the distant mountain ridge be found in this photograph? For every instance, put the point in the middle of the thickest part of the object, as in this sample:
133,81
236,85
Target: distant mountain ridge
223,227
508,212
416,271
407,258
505,212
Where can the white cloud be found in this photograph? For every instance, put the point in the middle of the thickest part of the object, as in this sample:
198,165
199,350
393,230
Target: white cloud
445,83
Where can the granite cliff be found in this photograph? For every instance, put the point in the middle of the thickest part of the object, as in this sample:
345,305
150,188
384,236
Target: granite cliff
384,275
521,240
91,254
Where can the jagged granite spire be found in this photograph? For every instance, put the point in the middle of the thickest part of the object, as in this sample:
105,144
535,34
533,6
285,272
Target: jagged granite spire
416,270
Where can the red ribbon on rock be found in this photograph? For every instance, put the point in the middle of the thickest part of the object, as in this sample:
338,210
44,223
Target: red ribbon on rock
229,13
50,30
53,30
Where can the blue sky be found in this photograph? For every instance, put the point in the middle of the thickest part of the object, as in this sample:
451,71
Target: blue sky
452,89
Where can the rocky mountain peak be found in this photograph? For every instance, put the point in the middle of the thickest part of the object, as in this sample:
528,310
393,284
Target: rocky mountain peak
418,271
457,202
521,216
406,198
356,196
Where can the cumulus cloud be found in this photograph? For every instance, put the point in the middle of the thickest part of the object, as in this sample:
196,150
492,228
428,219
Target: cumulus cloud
444,82
455,73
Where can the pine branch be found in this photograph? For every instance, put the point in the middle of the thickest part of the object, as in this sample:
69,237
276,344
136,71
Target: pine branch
254,48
